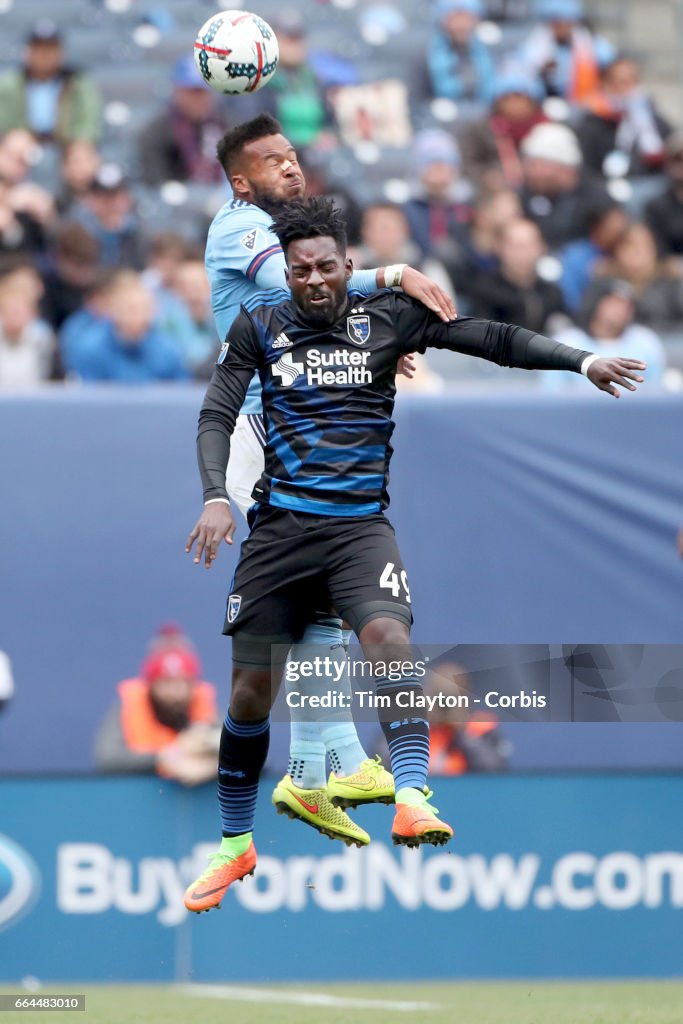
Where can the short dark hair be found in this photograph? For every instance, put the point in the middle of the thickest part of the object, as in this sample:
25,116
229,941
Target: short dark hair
233,142
316,217
598,210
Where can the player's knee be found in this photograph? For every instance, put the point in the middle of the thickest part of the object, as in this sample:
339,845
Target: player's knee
251,697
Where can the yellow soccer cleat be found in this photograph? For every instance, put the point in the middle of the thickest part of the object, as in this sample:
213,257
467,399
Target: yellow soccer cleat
211,886
314,808
371,784
416,822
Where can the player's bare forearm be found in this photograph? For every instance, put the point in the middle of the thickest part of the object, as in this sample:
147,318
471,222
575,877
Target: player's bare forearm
419,286
214,525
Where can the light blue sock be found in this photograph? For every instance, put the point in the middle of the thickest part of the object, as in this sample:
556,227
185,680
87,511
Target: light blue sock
306,748
306,756
333,727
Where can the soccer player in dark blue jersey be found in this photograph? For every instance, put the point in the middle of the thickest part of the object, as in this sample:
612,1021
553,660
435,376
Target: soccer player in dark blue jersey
326,360
244,259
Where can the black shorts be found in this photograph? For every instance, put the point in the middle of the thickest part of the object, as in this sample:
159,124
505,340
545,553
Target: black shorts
294,565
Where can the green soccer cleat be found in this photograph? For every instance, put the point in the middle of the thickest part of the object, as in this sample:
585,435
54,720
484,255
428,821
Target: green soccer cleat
314,808
371,784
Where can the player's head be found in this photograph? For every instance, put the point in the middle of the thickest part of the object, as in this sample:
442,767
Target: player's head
312,234
261,164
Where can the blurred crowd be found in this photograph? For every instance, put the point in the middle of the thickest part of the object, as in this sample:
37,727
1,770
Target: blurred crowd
521,163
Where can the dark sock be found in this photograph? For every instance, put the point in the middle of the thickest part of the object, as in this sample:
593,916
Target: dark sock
243,752
406,731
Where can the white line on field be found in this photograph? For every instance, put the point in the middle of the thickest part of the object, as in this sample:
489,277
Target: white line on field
259,995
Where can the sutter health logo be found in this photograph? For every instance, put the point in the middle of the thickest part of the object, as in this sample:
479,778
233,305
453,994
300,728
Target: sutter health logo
341,367
19,882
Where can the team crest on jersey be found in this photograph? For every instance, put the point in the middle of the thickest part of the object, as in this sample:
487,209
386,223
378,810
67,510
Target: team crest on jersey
358,329
249,240
234,605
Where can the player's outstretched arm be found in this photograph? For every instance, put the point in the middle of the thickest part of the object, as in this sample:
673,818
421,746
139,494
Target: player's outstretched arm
509,345
214,525
605,373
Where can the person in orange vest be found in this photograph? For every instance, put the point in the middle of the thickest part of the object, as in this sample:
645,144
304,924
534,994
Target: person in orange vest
460,741
564,52
165,719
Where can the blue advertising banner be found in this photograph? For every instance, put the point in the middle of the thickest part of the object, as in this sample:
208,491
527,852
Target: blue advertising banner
547,877
523,519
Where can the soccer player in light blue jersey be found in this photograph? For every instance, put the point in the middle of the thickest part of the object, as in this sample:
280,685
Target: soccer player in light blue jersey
244,259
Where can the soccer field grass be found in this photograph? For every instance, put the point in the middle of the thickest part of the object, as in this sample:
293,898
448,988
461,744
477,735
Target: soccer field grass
637,1002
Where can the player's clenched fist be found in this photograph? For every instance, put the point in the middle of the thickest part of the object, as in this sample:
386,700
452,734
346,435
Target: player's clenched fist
214,525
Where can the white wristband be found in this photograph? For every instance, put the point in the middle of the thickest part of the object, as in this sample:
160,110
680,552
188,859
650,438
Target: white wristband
212,500
393,275
588,361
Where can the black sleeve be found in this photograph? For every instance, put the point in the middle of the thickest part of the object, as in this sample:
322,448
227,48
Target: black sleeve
418,329
222,403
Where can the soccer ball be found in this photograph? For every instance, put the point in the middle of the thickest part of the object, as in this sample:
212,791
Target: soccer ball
236,52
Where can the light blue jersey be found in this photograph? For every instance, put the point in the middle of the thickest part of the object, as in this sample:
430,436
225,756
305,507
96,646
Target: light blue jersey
244,258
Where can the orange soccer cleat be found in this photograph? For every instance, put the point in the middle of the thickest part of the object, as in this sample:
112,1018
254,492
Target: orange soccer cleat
212,885
416,822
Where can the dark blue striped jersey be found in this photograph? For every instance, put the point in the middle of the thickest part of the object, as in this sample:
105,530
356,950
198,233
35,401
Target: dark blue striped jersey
328,394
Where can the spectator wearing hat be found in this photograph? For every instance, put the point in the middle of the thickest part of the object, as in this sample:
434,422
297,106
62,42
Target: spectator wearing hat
620,118
55,102
163,720
458,65
609,327
107,211
296,95
556,193
664,213
124,345
516,292
563,52
490,146
180,143
437,212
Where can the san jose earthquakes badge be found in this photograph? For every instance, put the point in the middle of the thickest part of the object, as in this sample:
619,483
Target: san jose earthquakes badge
234,605
358,329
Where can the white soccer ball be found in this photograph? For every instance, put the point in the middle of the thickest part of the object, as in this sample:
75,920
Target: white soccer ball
236,52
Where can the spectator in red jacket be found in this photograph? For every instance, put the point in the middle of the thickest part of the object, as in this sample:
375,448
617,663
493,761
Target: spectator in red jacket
164,718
